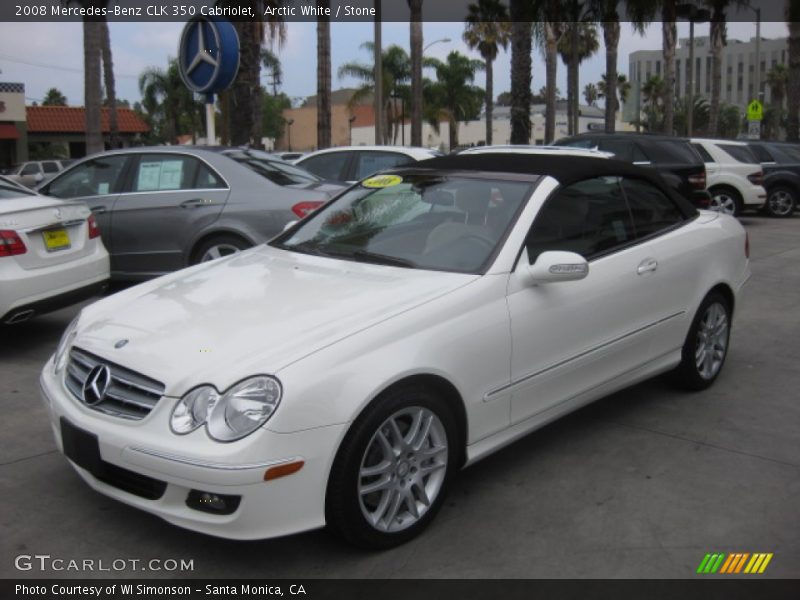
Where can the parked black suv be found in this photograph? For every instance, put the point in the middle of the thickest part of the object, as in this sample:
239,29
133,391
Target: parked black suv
781,164
674,158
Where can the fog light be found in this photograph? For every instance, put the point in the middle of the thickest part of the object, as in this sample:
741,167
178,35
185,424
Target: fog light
218,504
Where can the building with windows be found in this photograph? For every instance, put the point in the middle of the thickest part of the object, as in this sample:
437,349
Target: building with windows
738,67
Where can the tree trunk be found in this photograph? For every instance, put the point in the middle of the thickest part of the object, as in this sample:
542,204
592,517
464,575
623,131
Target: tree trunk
489,100
92,92
572,80
244,92
716,34
669,33
551,69
793,86
453,131
323,80
611,39
416,72
521,74
378,76
111,92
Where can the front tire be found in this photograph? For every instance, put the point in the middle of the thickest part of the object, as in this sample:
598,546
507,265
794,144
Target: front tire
781,202
706,345
391,473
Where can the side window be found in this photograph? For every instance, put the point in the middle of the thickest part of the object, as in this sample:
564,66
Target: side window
638,155
761,153
50,167
371,162
704,153
589,217
652,211
164,172
207,179
92,178
621,149
327,166
31,169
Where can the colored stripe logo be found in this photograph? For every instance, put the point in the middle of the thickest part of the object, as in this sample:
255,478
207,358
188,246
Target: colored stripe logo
734,563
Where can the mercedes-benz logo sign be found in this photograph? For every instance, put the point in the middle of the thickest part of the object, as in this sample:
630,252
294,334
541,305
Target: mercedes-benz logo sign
96,385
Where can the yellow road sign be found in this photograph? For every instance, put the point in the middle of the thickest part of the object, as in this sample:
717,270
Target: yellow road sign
755,111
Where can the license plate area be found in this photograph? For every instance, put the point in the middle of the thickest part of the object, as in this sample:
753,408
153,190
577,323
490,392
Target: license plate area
81,447
56,239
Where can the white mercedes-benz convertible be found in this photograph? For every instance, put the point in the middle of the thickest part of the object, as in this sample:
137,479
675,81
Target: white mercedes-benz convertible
344,372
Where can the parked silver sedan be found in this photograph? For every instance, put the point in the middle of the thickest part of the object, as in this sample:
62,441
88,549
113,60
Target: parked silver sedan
163,208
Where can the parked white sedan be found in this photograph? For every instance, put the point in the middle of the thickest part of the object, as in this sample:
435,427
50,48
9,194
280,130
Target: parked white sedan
344,372
50,254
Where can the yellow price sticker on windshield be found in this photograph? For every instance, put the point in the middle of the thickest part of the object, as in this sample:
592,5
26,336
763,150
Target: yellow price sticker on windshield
382,181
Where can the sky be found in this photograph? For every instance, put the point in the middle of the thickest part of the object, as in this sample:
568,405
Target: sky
44,55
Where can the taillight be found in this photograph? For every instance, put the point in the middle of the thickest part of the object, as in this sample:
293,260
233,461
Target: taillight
94,230
746,245
10,243
698,180
301,209
756,178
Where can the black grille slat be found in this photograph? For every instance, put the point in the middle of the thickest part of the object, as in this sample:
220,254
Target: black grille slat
130,395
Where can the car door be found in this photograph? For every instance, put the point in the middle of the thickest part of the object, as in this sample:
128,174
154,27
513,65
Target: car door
569,337
669,267
96,182
169,198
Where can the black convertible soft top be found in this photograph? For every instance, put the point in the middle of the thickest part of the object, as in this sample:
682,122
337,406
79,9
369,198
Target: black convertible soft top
564,169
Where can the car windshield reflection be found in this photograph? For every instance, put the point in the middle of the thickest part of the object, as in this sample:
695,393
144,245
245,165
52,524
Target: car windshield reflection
424,221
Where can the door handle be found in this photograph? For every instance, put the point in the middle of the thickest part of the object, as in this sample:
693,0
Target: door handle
648,265
194,203
98,210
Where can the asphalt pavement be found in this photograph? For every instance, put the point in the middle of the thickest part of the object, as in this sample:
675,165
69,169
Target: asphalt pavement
641,484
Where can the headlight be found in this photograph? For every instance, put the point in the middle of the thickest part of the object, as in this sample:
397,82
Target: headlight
60,358
231,416
193,409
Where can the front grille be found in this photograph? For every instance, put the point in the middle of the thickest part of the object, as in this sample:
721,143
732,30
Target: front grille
129,395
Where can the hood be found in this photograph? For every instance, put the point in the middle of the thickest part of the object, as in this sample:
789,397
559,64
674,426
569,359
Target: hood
252,313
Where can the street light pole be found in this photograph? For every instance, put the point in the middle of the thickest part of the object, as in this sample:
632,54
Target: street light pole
757,87
445,40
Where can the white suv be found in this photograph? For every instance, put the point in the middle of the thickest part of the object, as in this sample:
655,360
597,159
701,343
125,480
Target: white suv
733,175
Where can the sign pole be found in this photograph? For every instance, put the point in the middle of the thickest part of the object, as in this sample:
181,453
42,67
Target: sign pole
211,133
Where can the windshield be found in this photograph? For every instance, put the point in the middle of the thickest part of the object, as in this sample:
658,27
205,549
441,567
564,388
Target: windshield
424,221
276,170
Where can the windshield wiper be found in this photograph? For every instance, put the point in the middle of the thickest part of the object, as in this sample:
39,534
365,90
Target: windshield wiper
383,259
307,247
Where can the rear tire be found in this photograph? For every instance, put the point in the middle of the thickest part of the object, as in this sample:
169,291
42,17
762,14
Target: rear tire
706,345
390,475
726,200
219,246
781,201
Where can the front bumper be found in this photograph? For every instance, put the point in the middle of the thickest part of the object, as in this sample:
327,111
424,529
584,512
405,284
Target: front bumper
148,450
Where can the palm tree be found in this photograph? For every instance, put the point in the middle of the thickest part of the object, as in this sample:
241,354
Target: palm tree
453,92
487,30
777,78
416,71
170,106
578,43
623,89
717,34
521,71
590,94
323,78
653,92
92,88
271,62
396,72
792,11
547,34
111,91
668,43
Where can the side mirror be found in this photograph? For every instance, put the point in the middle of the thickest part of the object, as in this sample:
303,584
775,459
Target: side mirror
289,225
556,265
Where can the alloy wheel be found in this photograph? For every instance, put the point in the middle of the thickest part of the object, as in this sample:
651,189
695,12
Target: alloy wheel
780,203
403,469
712,341
724,203
218,251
